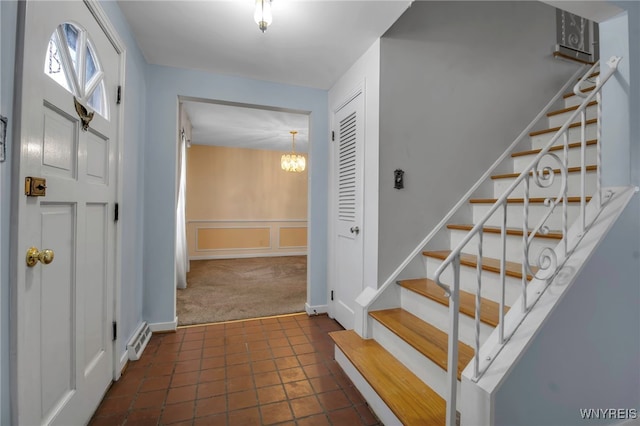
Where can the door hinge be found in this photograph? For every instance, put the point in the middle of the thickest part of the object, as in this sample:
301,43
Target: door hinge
333,136
115,331
331,294
116,212
119,95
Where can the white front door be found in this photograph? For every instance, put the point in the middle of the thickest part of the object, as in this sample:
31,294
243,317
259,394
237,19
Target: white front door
62,312
348,147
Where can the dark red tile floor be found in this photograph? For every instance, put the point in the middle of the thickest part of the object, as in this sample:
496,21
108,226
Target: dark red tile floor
272,371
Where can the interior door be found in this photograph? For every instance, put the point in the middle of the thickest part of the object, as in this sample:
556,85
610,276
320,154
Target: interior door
62,312
348,153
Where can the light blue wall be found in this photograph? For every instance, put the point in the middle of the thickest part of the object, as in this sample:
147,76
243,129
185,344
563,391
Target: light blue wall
8,16
616,96
164,85
587,354
132,195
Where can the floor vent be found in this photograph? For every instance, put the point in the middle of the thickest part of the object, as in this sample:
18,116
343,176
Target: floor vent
138,342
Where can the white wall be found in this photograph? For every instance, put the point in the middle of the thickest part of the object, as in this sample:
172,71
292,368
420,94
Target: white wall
165,84
364,72
459,81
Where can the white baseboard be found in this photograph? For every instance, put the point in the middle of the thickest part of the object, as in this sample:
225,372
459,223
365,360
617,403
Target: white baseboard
315,310
138,341
247,255
164,326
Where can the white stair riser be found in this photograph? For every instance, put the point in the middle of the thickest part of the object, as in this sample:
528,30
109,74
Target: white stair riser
573,186
536,212
426,370
576,100
559,119
437,315
522,162
379,407
540,141
492,245
491,286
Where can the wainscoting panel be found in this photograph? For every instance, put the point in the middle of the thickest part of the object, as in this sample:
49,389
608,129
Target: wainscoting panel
293,237
233,238
217,239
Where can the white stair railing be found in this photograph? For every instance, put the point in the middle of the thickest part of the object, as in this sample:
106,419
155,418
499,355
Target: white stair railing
463,201
549,261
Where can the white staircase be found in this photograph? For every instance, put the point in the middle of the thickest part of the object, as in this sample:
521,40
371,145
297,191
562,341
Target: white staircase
408,344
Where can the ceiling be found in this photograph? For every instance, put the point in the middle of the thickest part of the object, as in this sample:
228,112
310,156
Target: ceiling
310,43
246,127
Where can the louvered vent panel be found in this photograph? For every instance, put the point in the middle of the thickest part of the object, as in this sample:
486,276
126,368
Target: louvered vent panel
347,169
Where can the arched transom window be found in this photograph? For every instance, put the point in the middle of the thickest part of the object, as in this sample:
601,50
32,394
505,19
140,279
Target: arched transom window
71,60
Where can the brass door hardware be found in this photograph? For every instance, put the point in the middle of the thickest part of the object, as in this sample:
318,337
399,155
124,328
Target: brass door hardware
35,186
34,255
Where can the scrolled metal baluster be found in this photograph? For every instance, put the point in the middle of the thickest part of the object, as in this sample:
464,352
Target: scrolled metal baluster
545,177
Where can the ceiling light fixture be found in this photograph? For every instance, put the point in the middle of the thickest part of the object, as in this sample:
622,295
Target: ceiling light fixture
293,162
262,14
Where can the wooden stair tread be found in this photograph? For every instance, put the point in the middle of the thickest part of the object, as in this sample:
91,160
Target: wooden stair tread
489,310
512,269
573,108
554,148
423,337
410,399
590,168
556,235
533,200
555,129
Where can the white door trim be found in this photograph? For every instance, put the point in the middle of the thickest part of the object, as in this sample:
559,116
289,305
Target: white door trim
311,310
357,90
108,28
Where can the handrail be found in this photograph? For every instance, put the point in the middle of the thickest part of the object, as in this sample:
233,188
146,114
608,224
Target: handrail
576,88
547,260
392,278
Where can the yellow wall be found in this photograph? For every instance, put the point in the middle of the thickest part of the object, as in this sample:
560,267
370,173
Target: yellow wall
243,191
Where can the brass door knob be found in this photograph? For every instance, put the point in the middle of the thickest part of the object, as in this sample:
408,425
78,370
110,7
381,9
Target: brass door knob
34,255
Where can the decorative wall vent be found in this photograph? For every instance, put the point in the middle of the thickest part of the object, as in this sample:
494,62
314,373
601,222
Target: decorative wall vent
138,342
576,37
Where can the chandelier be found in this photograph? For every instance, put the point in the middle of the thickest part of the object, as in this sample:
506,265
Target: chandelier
293,162
262,14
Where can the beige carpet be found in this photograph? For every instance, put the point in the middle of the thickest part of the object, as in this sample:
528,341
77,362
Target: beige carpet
231,289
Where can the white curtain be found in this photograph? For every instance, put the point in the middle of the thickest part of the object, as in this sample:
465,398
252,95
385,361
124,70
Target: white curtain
182,255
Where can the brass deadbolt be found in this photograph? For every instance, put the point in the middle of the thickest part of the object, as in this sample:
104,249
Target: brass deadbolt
34,255
35,186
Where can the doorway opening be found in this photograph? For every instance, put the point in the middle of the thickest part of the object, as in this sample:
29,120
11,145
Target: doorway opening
242,234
